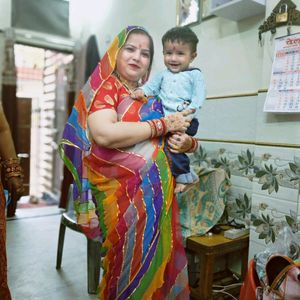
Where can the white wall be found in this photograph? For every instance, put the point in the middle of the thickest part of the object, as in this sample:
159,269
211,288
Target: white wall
233,63
5,20
225,46
5,13
107,18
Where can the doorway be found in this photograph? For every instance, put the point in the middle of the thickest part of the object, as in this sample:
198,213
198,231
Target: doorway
42,87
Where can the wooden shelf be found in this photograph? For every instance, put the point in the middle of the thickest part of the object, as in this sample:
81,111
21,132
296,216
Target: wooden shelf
208,249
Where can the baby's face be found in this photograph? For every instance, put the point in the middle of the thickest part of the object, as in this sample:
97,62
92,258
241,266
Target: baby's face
178,56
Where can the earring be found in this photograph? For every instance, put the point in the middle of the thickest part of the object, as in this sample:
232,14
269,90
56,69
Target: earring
145,77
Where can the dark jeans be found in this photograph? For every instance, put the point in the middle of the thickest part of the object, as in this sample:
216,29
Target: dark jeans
179,162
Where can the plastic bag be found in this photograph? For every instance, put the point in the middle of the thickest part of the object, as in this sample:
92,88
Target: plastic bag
287,243
278,268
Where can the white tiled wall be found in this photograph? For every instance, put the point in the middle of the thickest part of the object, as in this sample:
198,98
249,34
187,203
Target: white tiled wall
229,119
276,128
280,203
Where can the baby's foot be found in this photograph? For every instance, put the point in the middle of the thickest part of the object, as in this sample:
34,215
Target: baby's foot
182,187
179,188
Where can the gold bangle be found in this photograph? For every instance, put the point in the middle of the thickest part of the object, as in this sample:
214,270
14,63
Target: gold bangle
10,161
12,168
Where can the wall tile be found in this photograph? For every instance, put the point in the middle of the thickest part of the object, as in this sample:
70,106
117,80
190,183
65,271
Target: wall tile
277,153
284,193
207,121
280,206
242,183
229,119
255,247
275,127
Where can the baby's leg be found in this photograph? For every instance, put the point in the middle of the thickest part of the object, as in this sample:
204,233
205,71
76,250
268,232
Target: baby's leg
182,187
185,176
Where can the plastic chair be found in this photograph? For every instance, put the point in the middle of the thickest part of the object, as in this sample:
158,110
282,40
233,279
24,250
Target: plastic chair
250,284
68,219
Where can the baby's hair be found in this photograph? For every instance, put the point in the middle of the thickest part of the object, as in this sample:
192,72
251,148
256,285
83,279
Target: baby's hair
181,34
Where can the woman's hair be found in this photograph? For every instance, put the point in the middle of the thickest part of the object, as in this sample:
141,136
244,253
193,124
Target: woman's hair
151,45
181,34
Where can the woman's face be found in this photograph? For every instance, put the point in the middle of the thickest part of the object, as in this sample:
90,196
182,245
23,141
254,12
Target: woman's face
134,57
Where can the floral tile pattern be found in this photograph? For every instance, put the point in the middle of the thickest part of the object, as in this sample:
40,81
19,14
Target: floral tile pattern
272,173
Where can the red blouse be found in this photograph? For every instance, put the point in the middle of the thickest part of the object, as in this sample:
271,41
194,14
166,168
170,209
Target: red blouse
111,93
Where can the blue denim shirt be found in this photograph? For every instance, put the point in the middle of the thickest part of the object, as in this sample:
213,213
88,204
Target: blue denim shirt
178,91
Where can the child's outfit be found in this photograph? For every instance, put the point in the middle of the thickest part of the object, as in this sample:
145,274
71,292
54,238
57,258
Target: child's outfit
179,91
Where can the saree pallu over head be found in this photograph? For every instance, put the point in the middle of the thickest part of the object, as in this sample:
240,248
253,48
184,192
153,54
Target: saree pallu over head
130,192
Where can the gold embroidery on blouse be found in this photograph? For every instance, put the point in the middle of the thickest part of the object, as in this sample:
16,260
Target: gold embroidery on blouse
107,85
108,99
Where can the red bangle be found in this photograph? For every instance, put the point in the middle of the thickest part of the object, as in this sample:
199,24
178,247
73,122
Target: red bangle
158,127
194,145
152,127
163,122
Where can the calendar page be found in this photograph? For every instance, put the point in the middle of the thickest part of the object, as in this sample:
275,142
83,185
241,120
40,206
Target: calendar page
284,90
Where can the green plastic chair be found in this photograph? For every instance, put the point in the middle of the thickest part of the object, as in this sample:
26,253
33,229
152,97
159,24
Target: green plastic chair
68,219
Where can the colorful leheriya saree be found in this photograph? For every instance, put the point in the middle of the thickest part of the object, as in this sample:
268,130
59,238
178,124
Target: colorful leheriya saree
130,191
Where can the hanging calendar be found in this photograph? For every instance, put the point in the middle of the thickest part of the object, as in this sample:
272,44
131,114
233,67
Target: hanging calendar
284,90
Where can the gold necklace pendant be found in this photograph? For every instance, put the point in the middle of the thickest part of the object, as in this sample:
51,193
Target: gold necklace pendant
126,83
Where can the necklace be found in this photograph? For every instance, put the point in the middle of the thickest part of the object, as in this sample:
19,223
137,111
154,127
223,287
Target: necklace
130,85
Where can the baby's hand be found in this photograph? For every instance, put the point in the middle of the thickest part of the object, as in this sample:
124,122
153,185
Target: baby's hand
139,95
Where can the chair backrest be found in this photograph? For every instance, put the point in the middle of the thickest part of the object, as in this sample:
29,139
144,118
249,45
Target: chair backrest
70,203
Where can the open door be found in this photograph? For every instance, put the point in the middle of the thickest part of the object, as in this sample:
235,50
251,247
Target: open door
23,133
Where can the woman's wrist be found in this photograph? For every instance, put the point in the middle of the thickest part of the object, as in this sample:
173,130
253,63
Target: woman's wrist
12,168
158,127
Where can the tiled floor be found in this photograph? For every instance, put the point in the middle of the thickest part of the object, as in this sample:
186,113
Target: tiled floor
32,244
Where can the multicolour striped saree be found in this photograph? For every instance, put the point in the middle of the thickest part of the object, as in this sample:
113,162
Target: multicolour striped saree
130,191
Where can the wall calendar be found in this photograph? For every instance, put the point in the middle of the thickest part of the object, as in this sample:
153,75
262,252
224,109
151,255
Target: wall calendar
284,90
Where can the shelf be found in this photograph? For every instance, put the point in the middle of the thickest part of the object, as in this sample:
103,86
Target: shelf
237,9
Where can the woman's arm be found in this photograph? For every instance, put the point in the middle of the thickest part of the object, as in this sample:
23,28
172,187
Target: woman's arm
108,132
7,148
12,169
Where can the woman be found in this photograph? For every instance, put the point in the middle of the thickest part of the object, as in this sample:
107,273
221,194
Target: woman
14,178
123,188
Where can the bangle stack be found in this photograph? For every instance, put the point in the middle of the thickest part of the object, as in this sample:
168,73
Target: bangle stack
158,127
12,168
194,145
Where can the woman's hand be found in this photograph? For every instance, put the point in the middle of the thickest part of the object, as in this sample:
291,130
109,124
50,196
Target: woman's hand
139,95
178,121
180,142
15,186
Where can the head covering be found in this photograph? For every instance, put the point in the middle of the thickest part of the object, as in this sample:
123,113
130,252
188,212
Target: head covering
75,144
